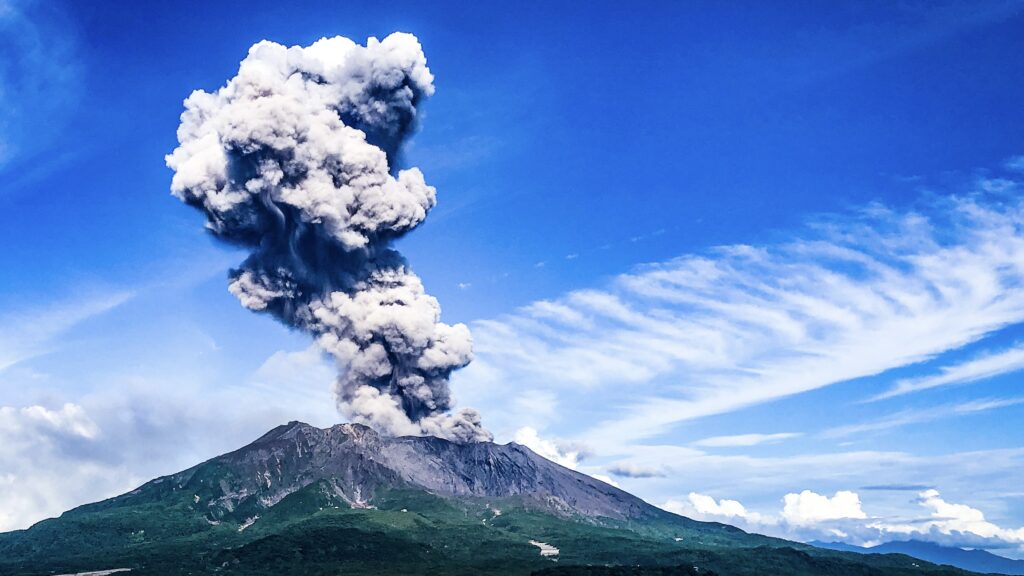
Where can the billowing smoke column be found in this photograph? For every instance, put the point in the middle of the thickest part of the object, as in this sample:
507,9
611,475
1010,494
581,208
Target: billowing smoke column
294,159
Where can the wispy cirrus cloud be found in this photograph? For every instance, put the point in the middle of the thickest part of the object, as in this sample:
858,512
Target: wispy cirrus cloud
744,440
921,415
985,366
36,331
39,76
853,295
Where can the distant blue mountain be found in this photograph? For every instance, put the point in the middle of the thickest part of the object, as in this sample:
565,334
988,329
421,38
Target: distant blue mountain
973,560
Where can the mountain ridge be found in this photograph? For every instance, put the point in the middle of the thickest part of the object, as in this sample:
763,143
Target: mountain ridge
309,501
981,561
363,461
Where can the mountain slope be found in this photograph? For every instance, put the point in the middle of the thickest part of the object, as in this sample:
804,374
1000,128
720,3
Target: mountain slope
301,500
974,560
357,463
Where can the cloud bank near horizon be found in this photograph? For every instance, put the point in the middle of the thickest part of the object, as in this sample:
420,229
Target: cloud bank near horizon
808,516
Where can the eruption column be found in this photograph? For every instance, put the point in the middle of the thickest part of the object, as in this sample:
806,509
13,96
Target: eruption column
294,159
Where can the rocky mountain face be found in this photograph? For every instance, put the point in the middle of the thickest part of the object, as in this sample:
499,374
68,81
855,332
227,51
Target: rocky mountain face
355,463
304,501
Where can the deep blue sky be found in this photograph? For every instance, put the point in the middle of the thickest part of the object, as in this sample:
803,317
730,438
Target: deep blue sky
569,143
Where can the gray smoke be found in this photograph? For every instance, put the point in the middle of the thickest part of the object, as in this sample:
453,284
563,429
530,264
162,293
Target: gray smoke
294,158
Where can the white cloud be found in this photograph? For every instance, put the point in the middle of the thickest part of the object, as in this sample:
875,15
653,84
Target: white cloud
979,368
809,507
55,457
44,472
31,333
811,516
707,505
606,479
744,440
631,470
921,415
947,523
70,420
39,77
985,476
1015,164
703,507
855,295
566,454
951,524
949,518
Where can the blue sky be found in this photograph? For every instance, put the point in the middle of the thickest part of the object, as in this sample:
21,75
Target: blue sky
699,246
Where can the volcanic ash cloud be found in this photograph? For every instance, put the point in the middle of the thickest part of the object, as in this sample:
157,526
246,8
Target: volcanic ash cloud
294,159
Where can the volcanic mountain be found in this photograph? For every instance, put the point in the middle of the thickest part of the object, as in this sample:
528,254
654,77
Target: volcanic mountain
347,500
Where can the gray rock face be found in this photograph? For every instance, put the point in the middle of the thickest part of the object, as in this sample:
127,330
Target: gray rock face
357,463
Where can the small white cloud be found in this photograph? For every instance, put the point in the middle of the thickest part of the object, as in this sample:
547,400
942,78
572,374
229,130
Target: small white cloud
572,256
631,470
809,507
742,440
564,453
707,505
464,285
606,480
557,312
1014,164
69,420
707,508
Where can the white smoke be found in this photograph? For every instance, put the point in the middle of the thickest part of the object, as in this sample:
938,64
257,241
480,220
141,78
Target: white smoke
295,159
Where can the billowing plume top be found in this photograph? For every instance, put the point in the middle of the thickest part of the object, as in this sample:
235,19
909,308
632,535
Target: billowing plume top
312,127
295,158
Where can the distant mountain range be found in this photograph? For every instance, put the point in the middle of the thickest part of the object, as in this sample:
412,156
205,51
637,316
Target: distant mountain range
345,500
973,560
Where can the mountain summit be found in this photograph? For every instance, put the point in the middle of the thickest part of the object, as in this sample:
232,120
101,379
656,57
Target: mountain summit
346,500
354,464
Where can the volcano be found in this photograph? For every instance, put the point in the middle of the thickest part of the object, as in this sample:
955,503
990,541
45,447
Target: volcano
347,500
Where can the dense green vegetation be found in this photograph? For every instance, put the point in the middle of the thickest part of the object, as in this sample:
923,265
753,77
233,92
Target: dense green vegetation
162,530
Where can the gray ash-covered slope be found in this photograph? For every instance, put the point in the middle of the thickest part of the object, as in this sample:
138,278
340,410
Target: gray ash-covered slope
355,464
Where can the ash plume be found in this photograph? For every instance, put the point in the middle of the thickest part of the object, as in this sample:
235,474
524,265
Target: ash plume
294,159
